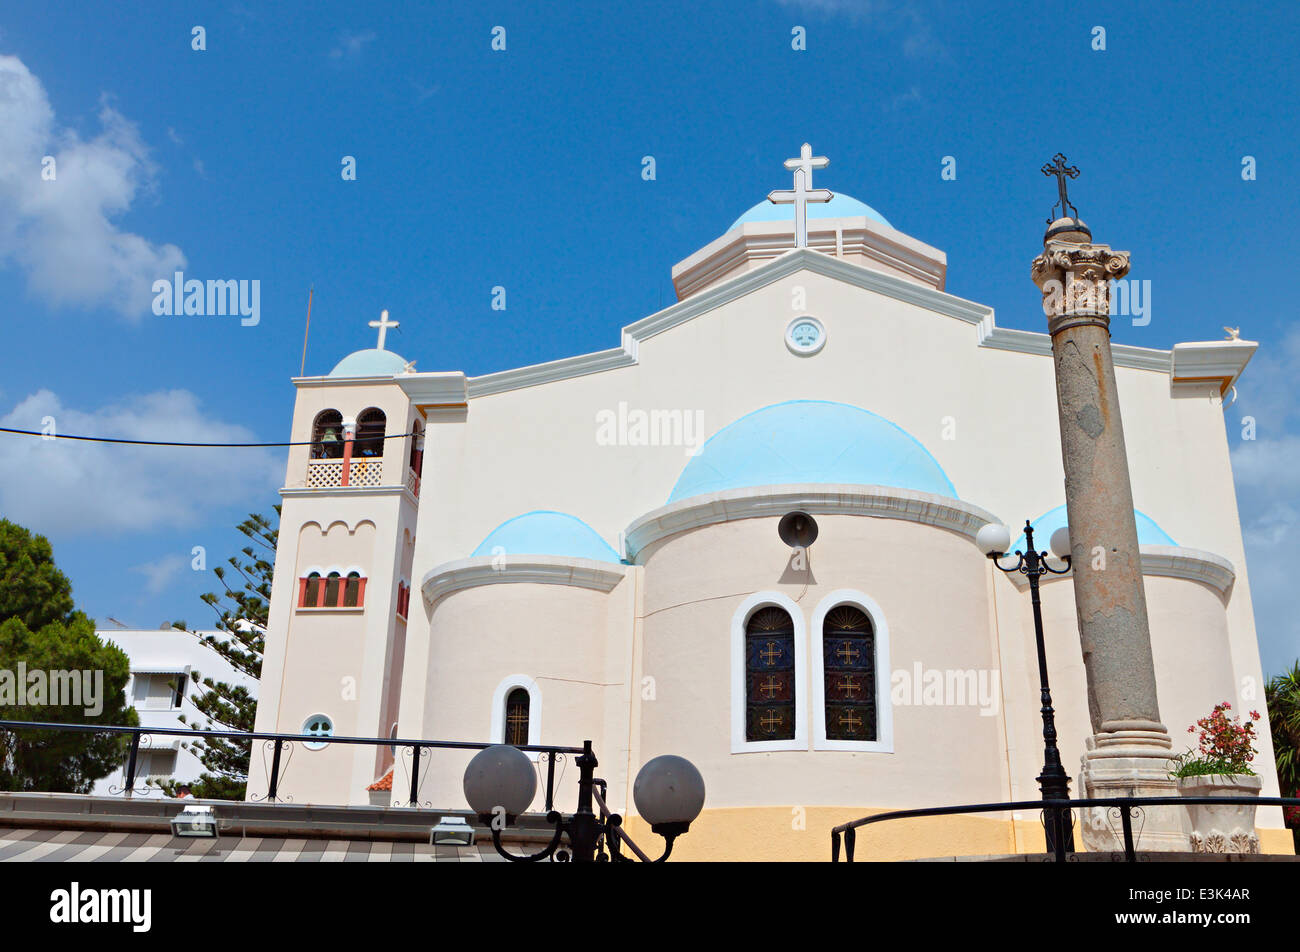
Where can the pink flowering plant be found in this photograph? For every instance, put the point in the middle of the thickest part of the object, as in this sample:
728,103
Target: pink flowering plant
1226,746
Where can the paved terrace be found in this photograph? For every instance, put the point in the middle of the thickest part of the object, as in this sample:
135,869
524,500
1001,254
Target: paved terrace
63,827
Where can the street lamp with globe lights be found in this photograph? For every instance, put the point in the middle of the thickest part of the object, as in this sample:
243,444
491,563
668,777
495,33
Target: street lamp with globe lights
993,540
500,783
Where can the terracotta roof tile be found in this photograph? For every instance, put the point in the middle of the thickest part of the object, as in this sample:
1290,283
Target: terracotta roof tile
383,783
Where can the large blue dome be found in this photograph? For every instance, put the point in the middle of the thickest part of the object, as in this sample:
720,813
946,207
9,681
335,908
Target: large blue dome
1149,533
545,532
811,441
840,206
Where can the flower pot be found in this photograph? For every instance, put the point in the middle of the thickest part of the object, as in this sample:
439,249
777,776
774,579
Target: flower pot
1222,828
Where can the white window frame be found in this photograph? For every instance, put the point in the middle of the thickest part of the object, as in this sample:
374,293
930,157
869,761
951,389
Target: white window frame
317,745
739,745
884,742
497,731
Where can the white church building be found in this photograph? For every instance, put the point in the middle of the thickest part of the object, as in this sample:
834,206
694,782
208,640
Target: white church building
589,549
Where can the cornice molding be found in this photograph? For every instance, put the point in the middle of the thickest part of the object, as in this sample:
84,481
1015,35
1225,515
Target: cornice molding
1171,561
815,498
346,491
461,574
759,242
1199,362
791,262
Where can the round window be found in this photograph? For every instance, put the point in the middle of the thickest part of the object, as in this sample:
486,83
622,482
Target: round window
805,336
318,725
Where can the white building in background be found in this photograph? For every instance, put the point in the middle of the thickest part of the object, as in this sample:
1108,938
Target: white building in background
161,689
589,549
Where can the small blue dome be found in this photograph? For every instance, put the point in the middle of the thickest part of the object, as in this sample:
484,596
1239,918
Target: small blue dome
840,206
369,363
1148,532
811,441
544,532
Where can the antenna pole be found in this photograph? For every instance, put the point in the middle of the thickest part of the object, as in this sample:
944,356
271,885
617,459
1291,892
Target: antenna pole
303,369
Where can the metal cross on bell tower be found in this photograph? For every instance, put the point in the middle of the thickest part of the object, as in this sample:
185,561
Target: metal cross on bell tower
1062,171
803,192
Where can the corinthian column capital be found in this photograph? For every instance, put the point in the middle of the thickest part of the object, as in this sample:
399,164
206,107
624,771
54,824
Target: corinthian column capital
1074,279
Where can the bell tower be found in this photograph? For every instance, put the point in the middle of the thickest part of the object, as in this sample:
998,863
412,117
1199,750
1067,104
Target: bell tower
336,633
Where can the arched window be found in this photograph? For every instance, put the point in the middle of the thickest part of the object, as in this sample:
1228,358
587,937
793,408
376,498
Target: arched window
851,706
769,675
352,592
417,448
332,589
370,433
327,435
311,592
516,712
849,672
517,705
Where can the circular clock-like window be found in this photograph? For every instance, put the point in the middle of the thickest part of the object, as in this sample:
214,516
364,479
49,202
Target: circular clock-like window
805,336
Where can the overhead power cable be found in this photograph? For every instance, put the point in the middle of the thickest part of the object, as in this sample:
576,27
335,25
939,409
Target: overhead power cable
111,439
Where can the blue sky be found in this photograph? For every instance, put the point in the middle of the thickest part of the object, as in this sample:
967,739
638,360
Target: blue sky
522,168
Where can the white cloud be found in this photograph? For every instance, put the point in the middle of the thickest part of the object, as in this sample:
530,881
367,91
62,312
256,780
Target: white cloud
61,232
159,573
81,487
351,44
1268,467
887,16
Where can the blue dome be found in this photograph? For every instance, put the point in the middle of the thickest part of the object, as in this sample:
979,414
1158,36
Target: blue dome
1148,532
543,532
811,441
369,363
841,206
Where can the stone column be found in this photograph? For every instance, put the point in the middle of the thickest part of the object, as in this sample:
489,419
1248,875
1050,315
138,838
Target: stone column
1129,748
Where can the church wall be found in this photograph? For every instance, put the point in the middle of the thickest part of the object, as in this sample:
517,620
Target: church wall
922,370
931,589
558,637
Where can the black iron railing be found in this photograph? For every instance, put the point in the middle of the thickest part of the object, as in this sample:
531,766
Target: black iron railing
278,743
1054,813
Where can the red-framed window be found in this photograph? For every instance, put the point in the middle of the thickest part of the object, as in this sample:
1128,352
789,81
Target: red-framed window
332,591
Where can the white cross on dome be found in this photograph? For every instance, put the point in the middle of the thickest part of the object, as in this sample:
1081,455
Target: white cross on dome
383,324
803,192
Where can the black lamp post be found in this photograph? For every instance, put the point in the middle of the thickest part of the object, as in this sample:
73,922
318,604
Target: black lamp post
1054,782
500,783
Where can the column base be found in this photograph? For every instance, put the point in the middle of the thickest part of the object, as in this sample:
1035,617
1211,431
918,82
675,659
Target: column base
1131,759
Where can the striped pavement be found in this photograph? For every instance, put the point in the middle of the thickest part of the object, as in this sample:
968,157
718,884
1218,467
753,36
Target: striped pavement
18,845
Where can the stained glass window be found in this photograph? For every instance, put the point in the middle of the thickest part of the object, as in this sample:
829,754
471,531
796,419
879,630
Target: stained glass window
769,676
517,717
849,670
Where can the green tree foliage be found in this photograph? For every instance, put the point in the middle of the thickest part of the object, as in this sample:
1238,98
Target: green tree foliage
1283,697
242,609
40,629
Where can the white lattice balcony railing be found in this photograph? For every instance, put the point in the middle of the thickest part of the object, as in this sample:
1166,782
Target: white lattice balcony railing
367,472
328,473
324,473
413,482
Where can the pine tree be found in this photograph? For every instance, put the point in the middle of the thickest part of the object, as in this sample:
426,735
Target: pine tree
41,629
242,609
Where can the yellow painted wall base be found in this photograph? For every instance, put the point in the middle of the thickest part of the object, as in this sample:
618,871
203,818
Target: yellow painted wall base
802,834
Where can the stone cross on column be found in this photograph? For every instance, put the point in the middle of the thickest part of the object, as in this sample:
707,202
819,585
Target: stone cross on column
1128,752
383,324
803,192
